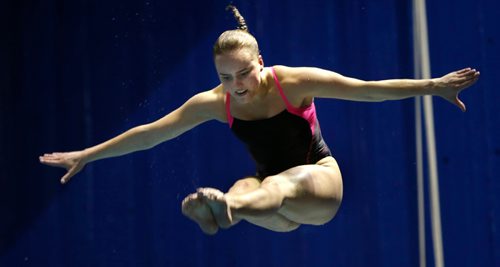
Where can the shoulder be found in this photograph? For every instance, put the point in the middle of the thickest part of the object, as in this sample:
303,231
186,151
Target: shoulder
299,83
208,98
300,75
316,82
209,104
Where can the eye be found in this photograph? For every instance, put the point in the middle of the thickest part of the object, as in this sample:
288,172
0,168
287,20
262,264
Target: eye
225,78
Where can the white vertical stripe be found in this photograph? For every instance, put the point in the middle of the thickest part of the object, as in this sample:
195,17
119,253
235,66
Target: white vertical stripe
419,145
420,181
422,70
433,182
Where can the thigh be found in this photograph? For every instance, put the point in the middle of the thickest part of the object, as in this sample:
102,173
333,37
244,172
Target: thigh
312,193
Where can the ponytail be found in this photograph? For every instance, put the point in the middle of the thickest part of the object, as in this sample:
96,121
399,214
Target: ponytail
242,25
236,39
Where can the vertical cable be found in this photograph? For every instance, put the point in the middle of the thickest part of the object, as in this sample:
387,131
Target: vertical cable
419,146
433,182
420,181
422,68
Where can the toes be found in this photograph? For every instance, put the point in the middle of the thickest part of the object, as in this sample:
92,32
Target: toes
217,202
212,194
197,210
190,202
188,199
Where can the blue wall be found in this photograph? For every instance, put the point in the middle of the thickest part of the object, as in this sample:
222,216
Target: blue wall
75,73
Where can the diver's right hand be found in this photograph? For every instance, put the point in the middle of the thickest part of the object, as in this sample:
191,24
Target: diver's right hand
73,162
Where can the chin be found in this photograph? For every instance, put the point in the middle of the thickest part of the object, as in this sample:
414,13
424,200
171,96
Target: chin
243,99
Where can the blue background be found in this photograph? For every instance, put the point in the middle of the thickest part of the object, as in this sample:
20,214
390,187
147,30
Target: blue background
76,73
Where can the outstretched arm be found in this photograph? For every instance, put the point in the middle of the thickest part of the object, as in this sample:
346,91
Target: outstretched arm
323,83
200,108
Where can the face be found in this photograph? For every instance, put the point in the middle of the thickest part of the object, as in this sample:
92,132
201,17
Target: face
239,72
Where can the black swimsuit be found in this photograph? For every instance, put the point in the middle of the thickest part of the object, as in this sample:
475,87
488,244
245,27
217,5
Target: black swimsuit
288,139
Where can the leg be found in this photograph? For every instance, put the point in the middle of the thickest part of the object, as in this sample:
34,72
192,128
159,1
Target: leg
308,194
241,187
273,221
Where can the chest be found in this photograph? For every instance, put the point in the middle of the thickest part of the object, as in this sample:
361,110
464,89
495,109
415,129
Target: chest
267,107
272,105
281,130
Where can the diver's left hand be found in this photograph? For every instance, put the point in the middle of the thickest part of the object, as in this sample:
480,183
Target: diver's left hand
450,85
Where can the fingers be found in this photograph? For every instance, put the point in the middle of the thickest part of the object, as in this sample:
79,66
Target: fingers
51,161
66,177
462,71
464,78
69,174
56,162
466,82
460,104
52,154
54,159
468,72
50,157
457,102
68,160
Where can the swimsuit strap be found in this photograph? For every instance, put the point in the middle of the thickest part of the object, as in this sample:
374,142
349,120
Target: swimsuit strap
230,118
282,94
308,113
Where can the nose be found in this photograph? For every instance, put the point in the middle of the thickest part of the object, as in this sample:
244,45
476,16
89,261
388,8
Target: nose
237,82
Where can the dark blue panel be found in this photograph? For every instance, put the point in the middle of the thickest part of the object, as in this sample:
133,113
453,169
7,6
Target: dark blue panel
468,163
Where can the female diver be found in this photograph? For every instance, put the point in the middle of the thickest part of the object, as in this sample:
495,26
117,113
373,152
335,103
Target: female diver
271,110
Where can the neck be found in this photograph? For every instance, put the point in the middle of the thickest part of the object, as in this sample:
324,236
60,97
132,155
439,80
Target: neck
264,83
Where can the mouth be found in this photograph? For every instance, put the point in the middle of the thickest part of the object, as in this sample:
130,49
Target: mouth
241,92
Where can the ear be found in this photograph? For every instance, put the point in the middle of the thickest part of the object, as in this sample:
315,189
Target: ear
261,63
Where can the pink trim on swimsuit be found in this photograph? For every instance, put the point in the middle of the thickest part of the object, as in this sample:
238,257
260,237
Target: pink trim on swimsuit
230,118
308,113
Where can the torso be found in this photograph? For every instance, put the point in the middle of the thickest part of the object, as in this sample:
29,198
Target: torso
279,131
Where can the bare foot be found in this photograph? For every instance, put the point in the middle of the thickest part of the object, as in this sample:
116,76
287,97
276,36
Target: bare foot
217,202
195,209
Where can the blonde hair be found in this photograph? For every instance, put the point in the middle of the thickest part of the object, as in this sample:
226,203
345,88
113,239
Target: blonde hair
236,39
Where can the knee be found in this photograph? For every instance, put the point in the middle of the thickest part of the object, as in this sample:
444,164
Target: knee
244,186
247,183
278,182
